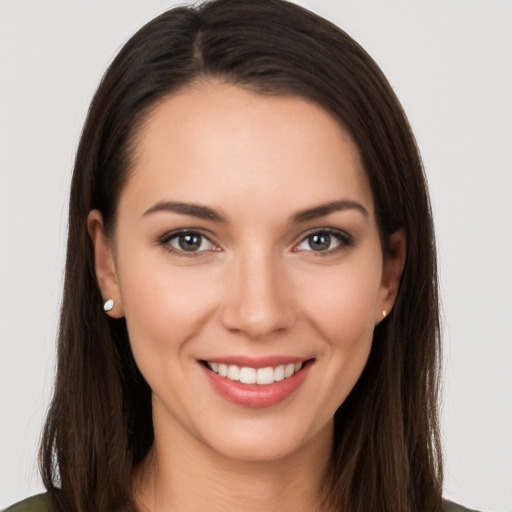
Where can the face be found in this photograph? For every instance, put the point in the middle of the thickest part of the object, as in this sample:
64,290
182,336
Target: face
247,262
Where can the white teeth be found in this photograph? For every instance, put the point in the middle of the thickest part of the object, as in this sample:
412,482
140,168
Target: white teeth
260,376
223,370
289,370
265,375
247,375
279,373
233,372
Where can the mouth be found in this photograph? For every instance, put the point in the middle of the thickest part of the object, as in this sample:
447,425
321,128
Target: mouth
260,376
260,384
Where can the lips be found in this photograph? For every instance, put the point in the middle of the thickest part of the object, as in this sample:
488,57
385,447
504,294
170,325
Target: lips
260,383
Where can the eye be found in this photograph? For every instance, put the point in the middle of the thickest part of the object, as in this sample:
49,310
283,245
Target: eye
324,241
187,242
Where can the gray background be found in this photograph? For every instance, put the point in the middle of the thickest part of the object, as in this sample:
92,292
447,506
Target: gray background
450,62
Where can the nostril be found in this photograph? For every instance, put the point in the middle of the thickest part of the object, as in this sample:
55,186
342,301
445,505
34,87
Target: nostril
257,319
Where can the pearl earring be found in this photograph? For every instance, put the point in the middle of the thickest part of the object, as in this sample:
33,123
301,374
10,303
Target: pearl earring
108,306
384,313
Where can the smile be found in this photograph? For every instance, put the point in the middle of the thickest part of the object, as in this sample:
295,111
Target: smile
261,376
261,383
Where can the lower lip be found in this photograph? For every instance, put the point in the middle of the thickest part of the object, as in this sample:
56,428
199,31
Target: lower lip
254,395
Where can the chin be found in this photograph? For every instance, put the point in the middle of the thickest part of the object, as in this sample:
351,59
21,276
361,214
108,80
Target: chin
266,440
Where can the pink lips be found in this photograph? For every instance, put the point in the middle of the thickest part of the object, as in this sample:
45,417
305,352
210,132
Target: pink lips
254,395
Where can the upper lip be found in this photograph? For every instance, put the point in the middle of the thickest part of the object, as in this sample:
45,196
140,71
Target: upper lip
257,362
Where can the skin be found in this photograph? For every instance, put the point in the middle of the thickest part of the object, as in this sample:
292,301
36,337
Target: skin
255,288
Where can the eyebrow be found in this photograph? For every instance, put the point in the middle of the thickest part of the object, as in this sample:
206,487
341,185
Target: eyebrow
191,209
328,208
204,212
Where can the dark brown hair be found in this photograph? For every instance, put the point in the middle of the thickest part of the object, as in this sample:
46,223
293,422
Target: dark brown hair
386,453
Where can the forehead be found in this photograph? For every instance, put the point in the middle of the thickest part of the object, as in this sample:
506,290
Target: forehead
223,144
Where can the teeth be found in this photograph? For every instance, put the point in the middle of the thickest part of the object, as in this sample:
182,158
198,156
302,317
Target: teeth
233,372
279,373
289,370
265,376
261,376
247,375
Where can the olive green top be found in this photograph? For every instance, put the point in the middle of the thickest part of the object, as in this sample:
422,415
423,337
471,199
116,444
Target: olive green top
453,507
41,503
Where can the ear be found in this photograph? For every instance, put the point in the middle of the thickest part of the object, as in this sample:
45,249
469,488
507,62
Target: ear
393,266
104,264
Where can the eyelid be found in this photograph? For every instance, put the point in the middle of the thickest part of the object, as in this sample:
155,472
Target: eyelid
345,240
167,237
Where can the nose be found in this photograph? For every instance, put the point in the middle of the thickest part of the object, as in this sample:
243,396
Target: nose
259,298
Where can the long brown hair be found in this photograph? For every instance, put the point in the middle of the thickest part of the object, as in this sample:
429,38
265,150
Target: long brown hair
386,453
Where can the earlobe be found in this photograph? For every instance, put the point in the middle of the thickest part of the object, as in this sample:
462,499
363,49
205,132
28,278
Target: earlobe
104,265
393,266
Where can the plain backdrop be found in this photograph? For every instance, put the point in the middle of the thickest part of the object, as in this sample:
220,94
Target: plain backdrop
450,62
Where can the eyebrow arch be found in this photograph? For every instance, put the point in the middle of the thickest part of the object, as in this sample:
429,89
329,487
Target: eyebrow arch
194,210
327,208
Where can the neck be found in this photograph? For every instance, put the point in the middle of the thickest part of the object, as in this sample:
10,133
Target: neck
179,476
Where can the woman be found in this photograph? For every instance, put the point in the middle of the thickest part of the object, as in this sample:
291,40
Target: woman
250,313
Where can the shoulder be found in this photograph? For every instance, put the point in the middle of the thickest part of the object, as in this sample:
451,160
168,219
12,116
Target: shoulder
449,506
39,503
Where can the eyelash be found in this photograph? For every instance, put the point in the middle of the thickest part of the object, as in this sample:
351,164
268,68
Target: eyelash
344,241
165,240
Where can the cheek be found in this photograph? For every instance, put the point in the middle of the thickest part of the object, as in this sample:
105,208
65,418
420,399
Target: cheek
164,305
344,317
342,303
165,308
